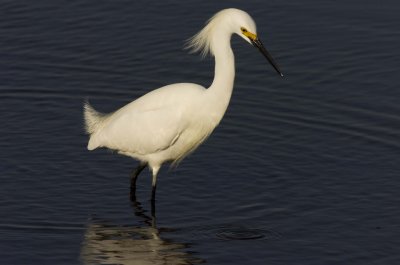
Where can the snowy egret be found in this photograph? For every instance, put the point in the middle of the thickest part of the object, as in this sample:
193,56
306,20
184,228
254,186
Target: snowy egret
168,123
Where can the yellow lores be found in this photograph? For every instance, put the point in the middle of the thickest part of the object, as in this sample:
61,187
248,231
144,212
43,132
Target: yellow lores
248,34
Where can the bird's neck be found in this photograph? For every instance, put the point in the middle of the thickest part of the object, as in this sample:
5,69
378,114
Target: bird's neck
221,88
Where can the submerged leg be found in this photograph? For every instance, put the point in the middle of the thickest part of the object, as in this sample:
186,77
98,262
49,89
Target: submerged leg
154,184
153,215
134,176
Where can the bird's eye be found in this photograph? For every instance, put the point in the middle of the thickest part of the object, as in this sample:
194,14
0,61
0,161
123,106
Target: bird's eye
244,30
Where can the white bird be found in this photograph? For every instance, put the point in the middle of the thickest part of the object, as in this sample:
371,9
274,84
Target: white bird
168,123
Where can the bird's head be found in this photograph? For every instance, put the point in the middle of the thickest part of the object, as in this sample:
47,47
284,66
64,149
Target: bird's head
224,24
245,27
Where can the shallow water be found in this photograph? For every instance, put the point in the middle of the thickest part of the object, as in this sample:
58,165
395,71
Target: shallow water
302,170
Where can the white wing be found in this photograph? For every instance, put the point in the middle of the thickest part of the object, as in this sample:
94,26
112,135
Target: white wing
143,132
151,123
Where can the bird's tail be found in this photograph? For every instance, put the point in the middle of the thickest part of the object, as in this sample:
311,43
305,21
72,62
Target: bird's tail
93,119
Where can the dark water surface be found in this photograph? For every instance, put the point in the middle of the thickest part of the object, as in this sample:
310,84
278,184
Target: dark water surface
302,170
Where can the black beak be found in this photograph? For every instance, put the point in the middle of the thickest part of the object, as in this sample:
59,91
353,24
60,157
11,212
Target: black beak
258,44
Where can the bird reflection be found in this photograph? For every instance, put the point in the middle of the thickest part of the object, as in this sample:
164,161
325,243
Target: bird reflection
105,243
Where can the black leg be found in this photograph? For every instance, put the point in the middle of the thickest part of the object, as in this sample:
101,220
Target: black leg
153,205
154,183
153,214
134,176
141,213
153,193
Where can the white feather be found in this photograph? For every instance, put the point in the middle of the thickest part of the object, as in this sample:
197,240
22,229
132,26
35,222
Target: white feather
153,123
92,118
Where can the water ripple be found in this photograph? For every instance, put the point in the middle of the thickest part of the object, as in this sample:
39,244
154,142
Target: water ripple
231,232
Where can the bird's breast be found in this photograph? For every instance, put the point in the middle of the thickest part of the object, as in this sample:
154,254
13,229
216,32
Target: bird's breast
189,139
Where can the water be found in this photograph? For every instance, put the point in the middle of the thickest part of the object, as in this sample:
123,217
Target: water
302,170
